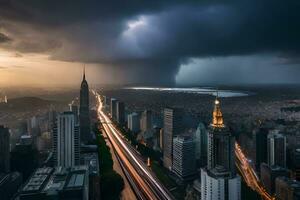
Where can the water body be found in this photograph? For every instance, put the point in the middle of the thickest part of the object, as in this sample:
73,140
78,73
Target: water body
208,91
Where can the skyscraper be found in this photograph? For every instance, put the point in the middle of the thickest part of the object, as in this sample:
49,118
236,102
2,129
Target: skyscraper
4,150
184,164
200,139
84,111
219,180
172,127
276,150
113,108
146,120
120,113
133,122
66,141
260,146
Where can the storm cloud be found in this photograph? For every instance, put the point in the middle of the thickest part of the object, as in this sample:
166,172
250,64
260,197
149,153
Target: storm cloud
150,41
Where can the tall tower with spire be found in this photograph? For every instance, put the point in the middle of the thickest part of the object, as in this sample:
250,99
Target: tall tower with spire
219,180
84,112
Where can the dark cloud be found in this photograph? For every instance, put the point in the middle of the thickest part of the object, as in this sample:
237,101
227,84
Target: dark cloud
169,32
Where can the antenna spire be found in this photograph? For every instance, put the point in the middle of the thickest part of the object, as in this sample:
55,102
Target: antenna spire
83,71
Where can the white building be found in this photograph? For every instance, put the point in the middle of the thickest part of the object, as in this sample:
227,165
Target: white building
133,122
219,188
66,141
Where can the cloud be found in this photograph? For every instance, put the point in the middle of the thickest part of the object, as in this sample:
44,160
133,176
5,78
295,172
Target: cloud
148,41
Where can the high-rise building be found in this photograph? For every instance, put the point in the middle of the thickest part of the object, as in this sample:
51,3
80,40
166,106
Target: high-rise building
4,150
219,180
260,146
161,139
287,189
184,164
172,127
200,139
9,184
294,156
120,112
133,122
84,112
75,110
146,121
277,150
66,141
269,174
113,108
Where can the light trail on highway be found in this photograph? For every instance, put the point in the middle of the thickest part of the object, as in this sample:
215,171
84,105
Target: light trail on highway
249,174
148,185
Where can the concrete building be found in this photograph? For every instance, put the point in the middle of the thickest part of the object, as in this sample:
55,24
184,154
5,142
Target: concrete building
133,122
4,150
113,108
219,188
173,126
287,189
146,121
66,141
269,174
120,113
277,150
184,165
57,183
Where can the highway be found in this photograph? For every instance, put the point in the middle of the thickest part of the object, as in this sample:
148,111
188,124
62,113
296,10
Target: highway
249,174
143,181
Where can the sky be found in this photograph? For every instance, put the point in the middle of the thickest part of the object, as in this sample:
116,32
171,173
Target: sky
157,42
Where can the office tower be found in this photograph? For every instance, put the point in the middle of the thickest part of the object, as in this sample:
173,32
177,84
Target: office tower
133,122
294,156
219,180
57,183
184,164
260,146
75,110
4,150
172,127
268,174
200,139
287,189
146,121
113,108
277,149
120,112
66,141
84,112
161,139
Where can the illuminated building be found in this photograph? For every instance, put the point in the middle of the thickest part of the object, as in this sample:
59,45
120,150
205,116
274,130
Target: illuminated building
219,180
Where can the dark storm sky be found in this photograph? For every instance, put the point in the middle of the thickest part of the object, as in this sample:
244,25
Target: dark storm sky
156,41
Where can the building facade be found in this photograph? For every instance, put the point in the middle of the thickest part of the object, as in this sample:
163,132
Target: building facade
113,108
200,139
184,165
172,127
120,112
66,141
277,150
133,122
146,121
